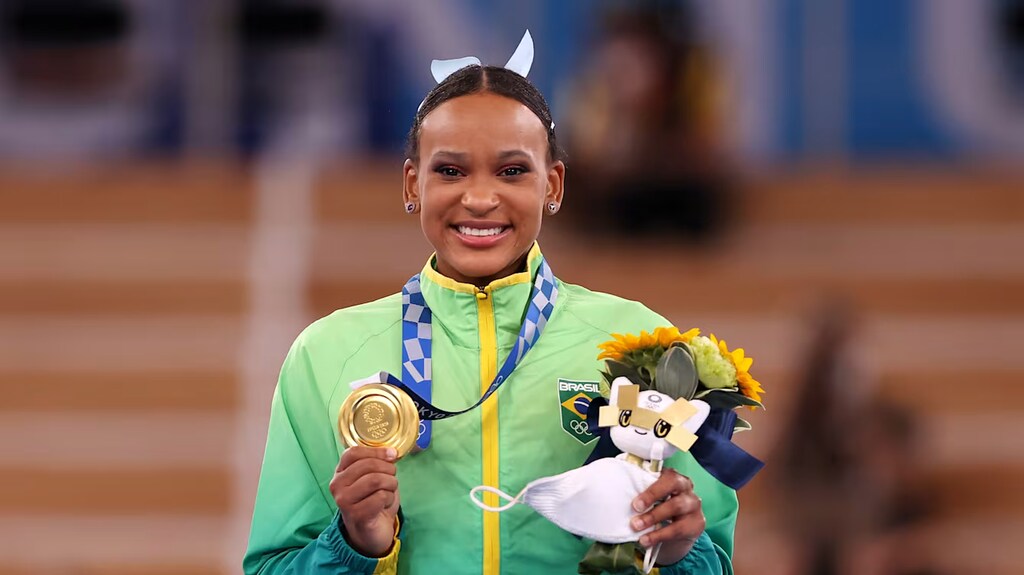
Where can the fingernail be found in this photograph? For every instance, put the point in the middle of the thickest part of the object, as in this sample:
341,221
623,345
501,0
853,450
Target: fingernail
645,541
638,523
638,505
392,453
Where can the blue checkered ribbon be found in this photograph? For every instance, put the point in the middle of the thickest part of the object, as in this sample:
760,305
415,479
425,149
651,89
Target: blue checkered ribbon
416,349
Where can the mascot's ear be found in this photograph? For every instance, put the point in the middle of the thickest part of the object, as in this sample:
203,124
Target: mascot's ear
616,386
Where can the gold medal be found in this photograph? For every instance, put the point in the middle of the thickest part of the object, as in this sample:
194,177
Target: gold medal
379,415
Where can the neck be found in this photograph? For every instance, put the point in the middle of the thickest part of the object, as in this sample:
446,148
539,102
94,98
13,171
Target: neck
481,282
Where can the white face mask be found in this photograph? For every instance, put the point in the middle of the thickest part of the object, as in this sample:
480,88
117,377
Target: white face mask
594,501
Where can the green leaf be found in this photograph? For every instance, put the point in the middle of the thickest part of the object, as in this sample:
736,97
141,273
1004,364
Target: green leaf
682,345
741,425
608,558
744,400
676,374
646,377
727,399
708,390
618,369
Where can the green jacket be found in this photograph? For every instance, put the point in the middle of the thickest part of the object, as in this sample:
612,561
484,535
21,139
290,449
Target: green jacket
523,432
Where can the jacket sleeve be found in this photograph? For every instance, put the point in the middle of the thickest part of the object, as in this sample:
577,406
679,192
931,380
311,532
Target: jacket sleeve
296,527
705,558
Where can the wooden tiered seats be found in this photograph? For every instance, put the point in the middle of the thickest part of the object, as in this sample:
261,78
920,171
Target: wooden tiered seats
125,294
122,295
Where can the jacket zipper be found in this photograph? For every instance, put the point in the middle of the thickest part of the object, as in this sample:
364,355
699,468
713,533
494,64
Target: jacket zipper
489,430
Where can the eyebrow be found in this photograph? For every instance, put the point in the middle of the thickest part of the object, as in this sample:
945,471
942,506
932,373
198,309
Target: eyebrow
462,157
508,154
449,155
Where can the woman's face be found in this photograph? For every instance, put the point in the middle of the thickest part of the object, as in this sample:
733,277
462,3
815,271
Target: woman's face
482,182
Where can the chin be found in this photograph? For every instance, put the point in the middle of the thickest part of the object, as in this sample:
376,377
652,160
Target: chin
481,266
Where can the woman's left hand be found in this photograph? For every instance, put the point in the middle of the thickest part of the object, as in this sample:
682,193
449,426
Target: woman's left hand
680,506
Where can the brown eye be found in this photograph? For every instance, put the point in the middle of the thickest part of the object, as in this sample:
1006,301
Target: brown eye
662,428
513,171
448,171
624,417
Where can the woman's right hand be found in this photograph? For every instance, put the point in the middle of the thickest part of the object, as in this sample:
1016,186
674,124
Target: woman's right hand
366,490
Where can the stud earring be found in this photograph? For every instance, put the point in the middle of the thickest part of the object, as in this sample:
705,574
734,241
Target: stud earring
552,208
410,207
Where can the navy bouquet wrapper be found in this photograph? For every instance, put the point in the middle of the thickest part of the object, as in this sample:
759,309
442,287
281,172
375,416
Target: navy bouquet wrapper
714,449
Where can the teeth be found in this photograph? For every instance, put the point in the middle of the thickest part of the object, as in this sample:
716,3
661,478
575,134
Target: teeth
479,232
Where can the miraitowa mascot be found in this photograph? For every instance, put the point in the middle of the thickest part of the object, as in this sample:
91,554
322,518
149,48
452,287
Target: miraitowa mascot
595,501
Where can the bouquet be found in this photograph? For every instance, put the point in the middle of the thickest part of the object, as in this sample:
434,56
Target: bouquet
680,387
683,365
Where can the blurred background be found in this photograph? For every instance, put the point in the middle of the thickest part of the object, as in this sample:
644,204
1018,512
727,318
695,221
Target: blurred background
835,185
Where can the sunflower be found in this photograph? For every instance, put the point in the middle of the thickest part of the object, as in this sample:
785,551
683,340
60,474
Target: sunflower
666,336
628,344
748,386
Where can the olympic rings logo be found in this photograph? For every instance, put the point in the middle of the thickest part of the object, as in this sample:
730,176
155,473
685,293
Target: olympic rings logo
579,427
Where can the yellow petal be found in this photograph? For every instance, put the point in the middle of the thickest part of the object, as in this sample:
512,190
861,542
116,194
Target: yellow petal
666,336
690,334
722,347
646,340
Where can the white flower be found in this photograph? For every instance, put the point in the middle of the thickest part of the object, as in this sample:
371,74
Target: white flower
713,370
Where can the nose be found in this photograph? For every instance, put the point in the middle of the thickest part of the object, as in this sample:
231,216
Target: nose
479,200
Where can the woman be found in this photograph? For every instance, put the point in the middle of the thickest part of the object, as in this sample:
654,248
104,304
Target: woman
483,167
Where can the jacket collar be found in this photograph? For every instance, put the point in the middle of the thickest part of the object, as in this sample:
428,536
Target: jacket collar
455,307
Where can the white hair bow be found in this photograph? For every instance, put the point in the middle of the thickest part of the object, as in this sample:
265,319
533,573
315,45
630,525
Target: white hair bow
520,62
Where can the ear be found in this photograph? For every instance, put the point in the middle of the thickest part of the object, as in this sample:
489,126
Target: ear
556,183
613,399
410,183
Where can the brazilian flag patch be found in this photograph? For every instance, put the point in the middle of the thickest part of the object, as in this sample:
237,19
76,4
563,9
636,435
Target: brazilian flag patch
575,397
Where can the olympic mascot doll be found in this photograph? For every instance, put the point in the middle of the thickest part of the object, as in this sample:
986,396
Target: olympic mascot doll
595,501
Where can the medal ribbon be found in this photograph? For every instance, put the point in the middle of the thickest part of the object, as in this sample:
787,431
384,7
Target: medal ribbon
416,347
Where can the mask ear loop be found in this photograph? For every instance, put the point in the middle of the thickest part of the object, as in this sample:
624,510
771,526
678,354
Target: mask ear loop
650,557
512,501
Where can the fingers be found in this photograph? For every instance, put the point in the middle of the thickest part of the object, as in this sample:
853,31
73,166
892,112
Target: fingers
685,530
671,510
353,454
366,486
668,484
365,483
370,507
353,472
681,508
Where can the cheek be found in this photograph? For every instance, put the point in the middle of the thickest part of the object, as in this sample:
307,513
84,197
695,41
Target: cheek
434,204
529,205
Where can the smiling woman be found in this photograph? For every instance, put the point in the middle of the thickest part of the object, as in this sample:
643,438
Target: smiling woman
481,192
483,167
